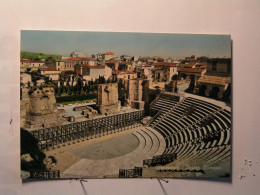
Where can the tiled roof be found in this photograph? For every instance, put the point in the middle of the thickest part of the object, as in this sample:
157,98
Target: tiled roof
214,80
194,70
165,64
122,72
112,62
109,53
25,61
80,59
159,58
202,63
126,62
92,67
37,61
146,65
31,61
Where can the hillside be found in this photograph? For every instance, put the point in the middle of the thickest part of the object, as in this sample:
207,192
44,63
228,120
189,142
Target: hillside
33,56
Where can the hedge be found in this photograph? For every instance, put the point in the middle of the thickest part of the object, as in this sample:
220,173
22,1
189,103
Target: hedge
76,97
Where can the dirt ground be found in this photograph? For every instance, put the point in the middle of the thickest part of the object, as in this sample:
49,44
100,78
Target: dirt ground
65,159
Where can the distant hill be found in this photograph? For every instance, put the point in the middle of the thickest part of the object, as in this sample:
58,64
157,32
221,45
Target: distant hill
34,56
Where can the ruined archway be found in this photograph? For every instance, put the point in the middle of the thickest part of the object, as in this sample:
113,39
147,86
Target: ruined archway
202,90
214,93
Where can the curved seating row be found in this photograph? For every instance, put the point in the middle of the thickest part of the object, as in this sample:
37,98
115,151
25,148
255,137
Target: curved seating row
196,130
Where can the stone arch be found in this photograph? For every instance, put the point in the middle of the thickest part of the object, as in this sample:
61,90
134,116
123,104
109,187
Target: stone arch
214,92
202,90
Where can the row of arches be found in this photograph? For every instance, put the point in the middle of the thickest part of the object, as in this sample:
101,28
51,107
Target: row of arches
213,93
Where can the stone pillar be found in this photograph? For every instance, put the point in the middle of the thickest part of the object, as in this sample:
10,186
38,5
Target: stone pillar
209,88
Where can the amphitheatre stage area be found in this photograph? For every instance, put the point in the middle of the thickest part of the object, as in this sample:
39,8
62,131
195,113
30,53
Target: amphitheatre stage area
187,137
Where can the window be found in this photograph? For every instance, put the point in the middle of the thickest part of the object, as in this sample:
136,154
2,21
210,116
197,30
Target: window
214,66
229,67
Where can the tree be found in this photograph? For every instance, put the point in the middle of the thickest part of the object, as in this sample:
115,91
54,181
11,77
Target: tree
46,80
56,89
85,87
79,85
176,88
102,80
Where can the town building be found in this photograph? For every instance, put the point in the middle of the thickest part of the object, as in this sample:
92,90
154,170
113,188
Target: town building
113,64
69,63
125,65
52,73
124,75
50,63
90,73
108,55
30,65
163,71
187,72
219,67
60,65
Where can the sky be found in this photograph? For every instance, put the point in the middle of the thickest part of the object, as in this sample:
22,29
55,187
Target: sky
133,44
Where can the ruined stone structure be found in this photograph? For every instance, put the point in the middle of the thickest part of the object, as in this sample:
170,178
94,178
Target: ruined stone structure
24,105
212,86
88,111
107,100
135,93
40,108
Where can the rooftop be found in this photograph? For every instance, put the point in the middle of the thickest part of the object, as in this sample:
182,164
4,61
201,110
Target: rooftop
92,67
109,53
80,59
126,62
214,80
112,62
122,72
193,70
166,64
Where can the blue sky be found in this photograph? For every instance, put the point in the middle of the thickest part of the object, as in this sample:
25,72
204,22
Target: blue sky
134,44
